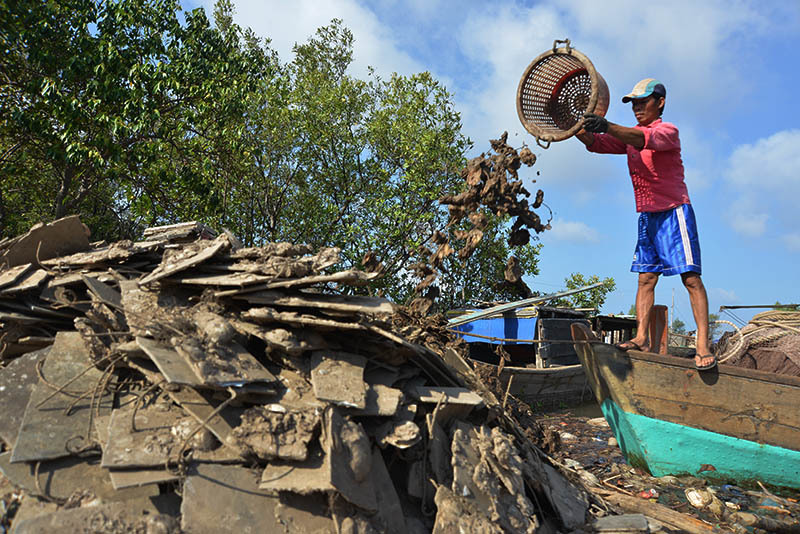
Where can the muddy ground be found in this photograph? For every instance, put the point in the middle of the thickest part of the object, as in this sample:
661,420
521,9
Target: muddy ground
587,445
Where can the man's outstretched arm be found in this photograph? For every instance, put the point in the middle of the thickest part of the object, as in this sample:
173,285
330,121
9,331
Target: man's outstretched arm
596,124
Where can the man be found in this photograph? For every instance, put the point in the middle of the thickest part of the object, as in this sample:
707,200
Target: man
668,243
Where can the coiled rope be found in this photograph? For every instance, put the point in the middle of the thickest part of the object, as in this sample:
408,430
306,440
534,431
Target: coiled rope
765,328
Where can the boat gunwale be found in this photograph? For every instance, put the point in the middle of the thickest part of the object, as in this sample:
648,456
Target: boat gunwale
723,369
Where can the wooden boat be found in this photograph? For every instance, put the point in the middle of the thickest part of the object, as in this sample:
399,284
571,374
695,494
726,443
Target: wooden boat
725,424
543,370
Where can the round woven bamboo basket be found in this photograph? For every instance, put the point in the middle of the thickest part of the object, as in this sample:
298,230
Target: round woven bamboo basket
556,89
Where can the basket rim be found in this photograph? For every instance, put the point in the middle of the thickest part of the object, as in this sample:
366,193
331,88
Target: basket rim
530,126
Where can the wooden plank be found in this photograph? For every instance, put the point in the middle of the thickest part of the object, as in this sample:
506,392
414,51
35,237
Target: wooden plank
46,431
136,478
268,315
380,400
767,413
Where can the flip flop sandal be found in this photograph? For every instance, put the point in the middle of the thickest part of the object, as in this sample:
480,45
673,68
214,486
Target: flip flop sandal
631,345
709,366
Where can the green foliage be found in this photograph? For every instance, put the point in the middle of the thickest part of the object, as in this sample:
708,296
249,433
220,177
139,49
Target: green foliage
592,298
678,326
632,310
129,115
480,277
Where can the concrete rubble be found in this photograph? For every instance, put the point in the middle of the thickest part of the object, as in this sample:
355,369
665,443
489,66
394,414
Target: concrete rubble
184,383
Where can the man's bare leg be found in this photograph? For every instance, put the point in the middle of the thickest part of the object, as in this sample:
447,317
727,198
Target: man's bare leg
699,301
645,298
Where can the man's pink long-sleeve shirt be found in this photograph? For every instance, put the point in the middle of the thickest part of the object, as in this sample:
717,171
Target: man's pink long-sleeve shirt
656,170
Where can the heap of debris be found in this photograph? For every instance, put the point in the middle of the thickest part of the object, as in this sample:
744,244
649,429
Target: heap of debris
185,383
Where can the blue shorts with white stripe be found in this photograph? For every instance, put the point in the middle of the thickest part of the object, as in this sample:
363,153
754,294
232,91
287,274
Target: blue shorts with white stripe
668,242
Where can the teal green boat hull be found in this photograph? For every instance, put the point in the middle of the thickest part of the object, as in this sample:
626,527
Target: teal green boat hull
665,448
726,424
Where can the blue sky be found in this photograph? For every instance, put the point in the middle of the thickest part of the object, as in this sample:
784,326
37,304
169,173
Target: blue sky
731,73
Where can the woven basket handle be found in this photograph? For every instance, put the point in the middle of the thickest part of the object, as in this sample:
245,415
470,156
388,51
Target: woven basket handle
539,142
565,41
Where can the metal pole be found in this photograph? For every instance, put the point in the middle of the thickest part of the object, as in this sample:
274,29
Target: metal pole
455,321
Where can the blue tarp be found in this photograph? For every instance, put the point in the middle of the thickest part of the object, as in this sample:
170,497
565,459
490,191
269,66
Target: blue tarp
500,327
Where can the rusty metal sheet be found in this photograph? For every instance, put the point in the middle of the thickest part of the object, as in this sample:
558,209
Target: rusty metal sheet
46,431
187,259
380,400
173,366
45,241
131,478
342,462
105,293
223,365
11,276
350,277
269,315
301,514
237,279
179,231
390,510
340,303
63,477
220,422
158,436
449,395
309,476
135,478
151,514
271,431
220,498
297,393
17,381
339,378
115,254
27,282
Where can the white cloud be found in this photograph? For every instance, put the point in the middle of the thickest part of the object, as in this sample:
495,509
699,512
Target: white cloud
289,23
747,218
725,296
771,163
763,177
792,241
573,231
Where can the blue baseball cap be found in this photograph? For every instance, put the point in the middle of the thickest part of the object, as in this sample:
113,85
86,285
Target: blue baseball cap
645,88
